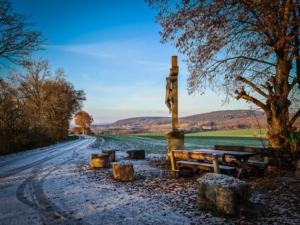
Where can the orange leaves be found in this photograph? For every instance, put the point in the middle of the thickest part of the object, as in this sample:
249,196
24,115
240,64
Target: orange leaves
83,119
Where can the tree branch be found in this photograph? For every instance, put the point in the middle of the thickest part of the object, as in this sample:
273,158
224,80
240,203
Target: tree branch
244,80
295,81
295,117
251,59
242,94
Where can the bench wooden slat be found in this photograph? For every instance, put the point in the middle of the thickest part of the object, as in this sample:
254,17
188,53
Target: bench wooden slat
249,163
261,151
184,154
203,165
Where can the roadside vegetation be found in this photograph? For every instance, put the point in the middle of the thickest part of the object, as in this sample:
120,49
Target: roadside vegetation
35,104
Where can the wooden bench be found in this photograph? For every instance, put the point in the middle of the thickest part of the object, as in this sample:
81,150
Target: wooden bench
206,166
190,159
265,152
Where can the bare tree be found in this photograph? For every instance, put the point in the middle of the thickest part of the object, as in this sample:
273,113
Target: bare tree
246,49
17,41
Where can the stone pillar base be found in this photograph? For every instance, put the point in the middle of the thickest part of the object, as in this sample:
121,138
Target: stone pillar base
175,140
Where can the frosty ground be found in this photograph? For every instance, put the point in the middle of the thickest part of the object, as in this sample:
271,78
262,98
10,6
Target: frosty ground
67,191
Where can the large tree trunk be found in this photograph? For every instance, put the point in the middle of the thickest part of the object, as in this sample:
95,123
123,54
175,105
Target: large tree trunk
278,127
277,111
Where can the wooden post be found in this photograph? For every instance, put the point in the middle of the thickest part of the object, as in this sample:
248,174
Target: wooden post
174,80
175,137
172,160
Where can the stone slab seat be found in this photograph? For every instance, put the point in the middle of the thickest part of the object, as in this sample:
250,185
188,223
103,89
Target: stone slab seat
223,192
123,171
204,166
99,161
136,154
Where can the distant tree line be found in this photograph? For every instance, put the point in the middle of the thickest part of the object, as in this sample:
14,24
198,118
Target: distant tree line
35,105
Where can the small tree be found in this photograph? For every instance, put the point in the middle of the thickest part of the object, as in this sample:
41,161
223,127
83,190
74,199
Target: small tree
84,120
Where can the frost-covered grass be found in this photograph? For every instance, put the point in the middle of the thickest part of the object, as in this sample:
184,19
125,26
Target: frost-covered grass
158,144
149,144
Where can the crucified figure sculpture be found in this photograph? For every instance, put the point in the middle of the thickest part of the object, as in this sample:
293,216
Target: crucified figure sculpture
168,99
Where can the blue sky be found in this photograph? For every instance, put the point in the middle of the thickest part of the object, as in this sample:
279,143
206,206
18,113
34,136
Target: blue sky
111,49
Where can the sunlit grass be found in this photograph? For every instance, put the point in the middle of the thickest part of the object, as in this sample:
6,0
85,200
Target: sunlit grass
231,133
153,142
226,133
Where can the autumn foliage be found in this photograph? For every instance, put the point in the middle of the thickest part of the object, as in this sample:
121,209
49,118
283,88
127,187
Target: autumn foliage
84,120
35,107
243,49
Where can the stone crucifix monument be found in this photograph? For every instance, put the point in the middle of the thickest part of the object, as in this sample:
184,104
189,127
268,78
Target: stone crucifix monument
175,137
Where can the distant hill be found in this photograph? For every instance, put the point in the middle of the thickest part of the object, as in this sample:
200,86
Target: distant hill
141,121
225,115
218,120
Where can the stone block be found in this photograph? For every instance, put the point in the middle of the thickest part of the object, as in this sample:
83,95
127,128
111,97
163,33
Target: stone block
223,192
123,171
136,154
111,153
99,161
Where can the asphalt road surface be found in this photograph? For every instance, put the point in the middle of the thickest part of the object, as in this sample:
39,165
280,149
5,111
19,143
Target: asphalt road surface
22,177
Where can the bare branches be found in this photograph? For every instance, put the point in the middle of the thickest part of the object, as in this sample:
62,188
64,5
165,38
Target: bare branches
17,41
242,94
244,80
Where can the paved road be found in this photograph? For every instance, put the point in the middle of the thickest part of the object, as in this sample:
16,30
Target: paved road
22,195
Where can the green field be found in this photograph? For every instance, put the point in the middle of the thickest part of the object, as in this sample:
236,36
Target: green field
226,133
230,133
201,140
